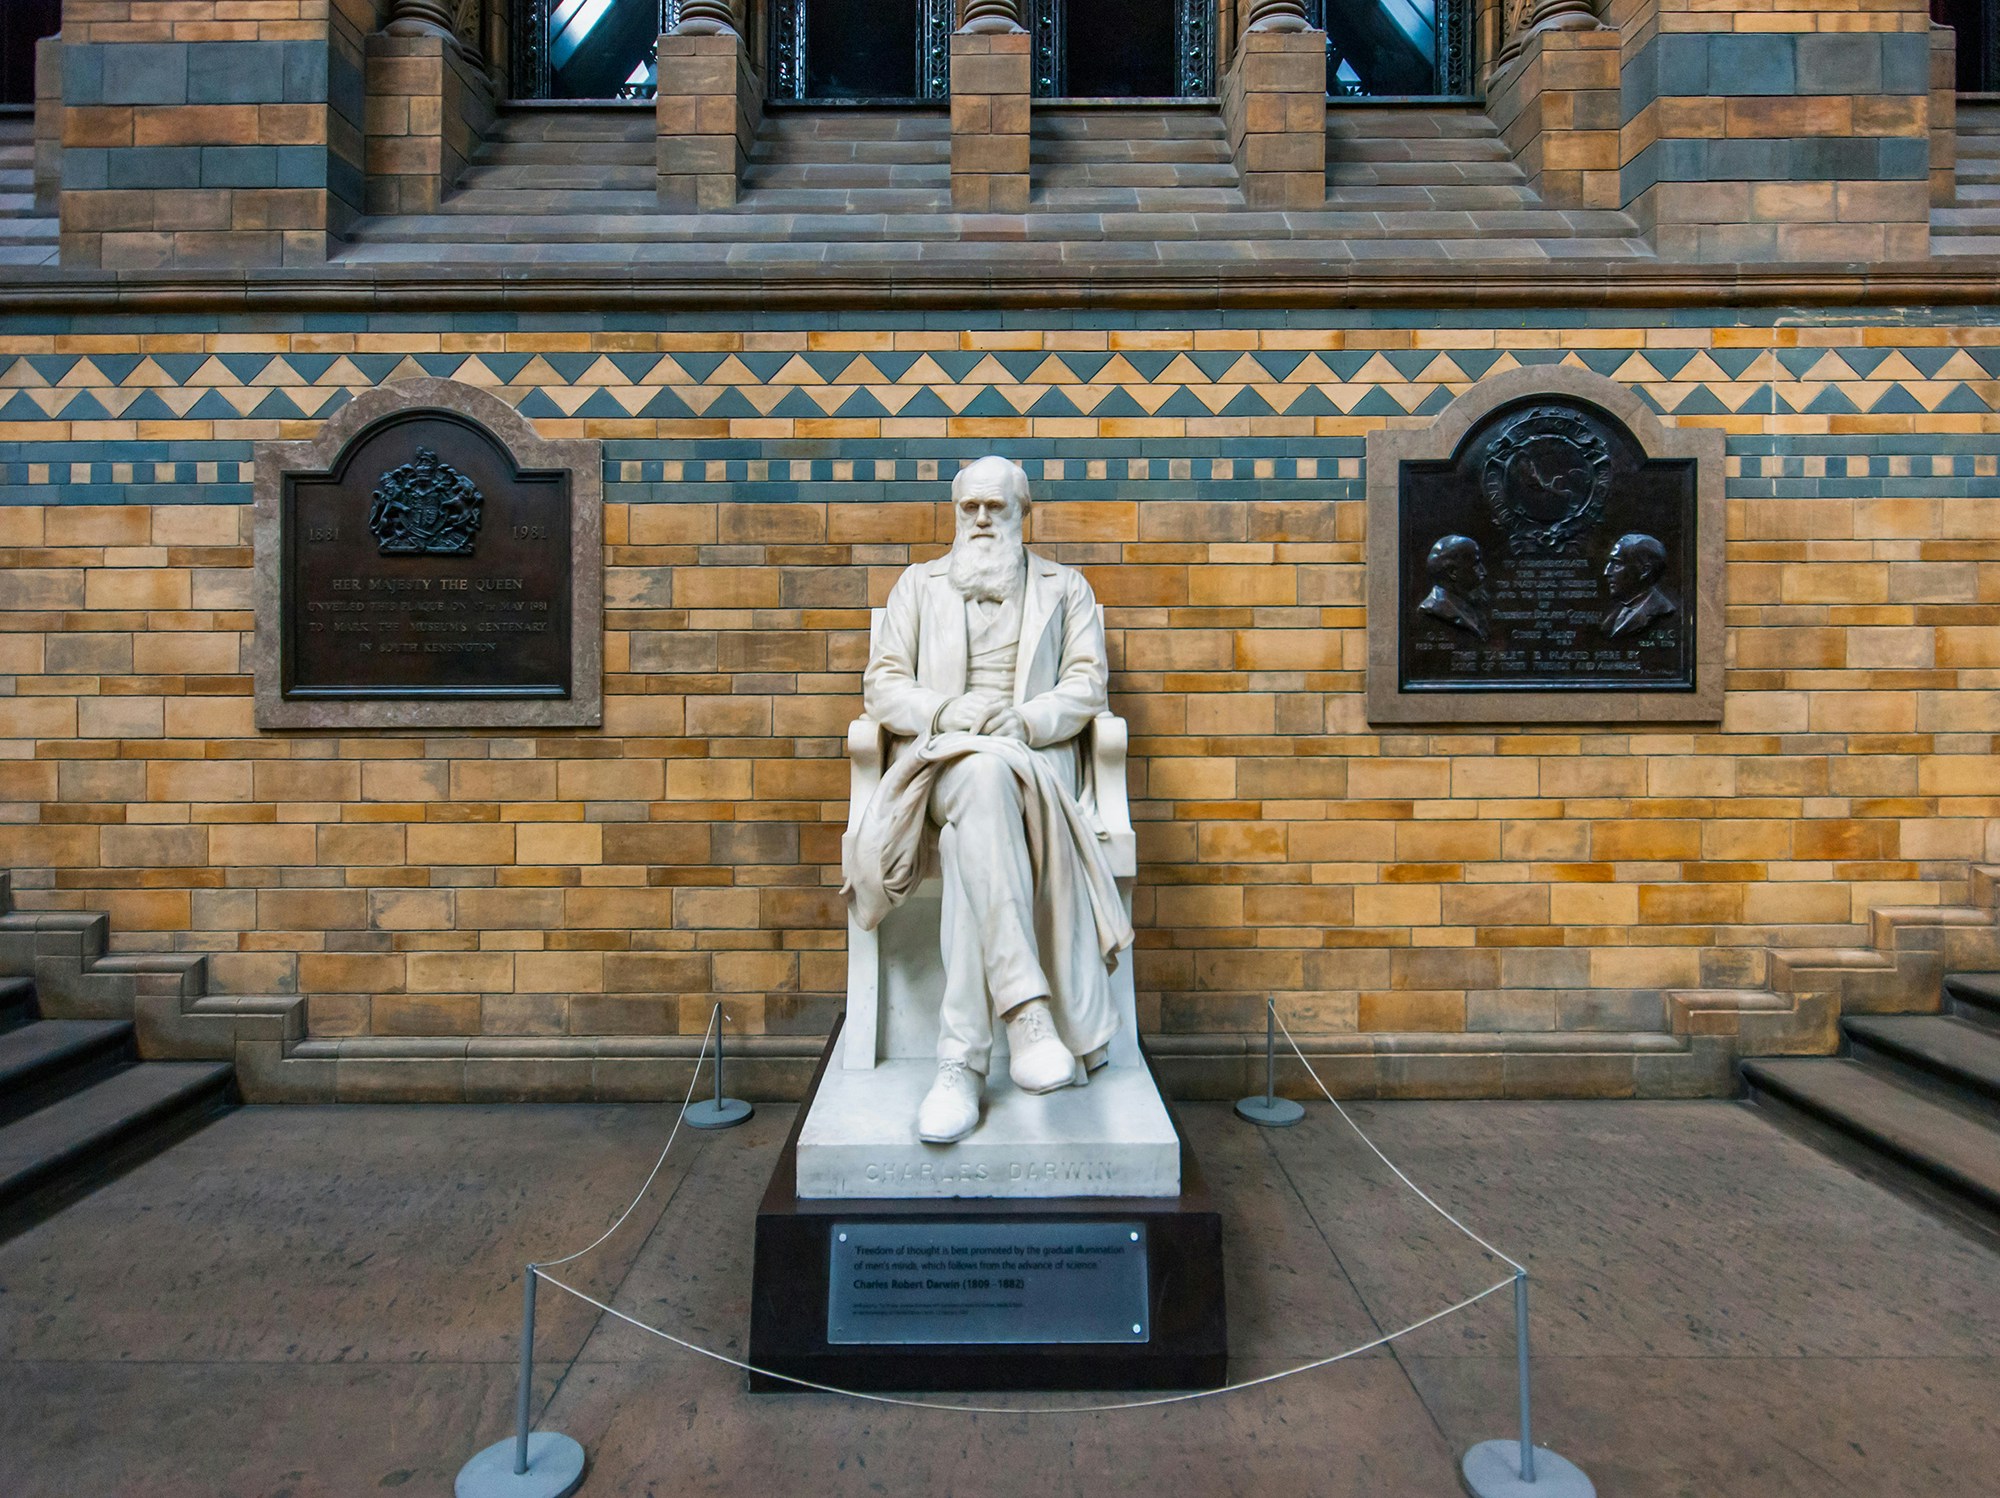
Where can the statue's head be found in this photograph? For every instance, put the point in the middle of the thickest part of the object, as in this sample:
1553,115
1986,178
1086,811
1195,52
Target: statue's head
989,501
1454,564
1637,561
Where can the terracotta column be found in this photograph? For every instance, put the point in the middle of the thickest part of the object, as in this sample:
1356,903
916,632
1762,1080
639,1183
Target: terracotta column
985,16
990,73
1278,15
1563,15
707,18
421,18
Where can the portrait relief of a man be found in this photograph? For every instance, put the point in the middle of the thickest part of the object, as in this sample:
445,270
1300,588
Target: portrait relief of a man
1632,576
987,667
1457,576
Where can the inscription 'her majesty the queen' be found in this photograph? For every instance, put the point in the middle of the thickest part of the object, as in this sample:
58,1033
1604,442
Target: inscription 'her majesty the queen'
426,566
1548,553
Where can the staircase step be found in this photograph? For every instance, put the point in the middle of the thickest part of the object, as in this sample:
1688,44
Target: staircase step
17,1002
1975,996
51,1053
1940,1146
1957,1053
70,1141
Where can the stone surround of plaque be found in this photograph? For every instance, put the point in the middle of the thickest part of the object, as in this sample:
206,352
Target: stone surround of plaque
1546,551
429,562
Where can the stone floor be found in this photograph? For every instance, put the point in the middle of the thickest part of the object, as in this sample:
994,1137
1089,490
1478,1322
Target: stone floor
324,1301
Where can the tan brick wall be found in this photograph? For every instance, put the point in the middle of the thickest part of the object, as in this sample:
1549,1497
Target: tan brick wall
617,881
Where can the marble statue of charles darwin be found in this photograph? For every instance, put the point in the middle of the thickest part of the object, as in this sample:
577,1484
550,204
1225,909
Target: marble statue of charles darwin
988,666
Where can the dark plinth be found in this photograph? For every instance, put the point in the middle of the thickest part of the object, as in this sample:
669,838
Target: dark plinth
788,1306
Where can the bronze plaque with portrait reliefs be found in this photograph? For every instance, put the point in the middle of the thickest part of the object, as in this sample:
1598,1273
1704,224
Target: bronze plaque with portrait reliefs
429,562
1546,550
1548,553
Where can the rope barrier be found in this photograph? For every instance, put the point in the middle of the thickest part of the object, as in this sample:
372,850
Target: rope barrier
539,1271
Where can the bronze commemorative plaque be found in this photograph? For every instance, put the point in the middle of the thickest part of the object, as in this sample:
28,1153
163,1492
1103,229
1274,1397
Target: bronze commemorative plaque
425,564
1548,553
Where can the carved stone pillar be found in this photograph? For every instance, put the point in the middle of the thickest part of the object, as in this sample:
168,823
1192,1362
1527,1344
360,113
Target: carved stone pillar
983,17
1278,15
1563,15
707,18
991,69
423,18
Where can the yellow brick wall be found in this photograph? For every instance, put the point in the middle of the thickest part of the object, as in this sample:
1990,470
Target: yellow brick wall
616,881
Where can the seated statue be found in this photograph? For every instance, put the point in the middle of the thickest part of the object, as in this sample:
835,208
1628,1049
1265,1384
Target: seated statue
988,666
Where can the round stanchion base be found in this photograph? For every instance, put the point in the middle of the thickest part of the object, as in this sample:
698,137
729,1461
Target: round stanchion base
555,1469
1272,1113
1492,1469
717,1113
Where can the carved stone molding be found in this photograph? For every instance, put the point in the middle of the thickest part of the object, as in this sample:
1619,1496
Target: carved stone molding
429,561
1546,551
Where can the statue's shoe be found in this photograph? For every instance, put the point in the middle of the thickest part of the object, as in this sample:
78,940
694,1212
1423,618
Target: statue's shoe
950,1110
1037,1059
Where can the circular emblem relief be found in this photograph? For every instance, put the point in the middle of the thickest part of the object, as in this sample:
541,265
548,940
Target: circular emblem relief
1546,477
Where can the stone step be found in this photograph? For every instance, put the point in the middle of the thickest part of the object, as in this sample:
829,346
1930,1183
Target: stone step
1142,123
838,200
558,205
1424,174
567,155
1083,199
1360,122
856,124
1974,996
1062,174
1955,1054
1428,199
71,1143
815,152
17,1002
1952,243
847,175
45,1057
1894,1125
1126,151
576,125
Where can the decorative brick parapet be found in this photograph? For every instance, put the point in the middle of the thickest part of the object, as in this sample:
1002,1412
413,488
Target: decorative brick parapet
428,106
1274,110
1801,134
709,106
210,133
990,74
48,123
1556,104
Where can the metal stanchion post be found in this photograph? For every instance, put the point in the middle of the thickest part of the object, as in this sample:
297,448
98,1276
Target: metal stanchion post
1521,1469
529,1464
723,1112
1270,1110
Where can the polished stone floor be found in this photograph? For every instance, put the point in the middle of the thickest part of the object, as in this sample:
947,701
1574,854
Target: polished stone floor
324,1301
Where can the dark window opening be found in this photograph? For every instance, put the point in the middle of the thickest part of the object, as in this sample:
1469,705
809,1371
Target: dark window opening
1977,23
861,49
586,49
22,24
1119,49
1395,48
1123,49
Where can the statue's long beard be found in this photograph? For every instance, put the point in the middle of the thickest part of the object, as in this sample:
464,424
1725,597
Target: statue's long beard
988,571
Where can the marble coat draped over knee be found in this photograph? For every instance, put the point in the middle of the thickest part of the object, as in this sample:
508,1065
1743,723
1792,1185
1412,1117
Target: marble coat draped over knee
919,663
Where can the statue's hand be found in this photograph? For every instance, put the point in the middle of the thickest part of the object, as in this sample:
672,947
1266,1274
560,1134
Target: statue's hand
1005,722
964,714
